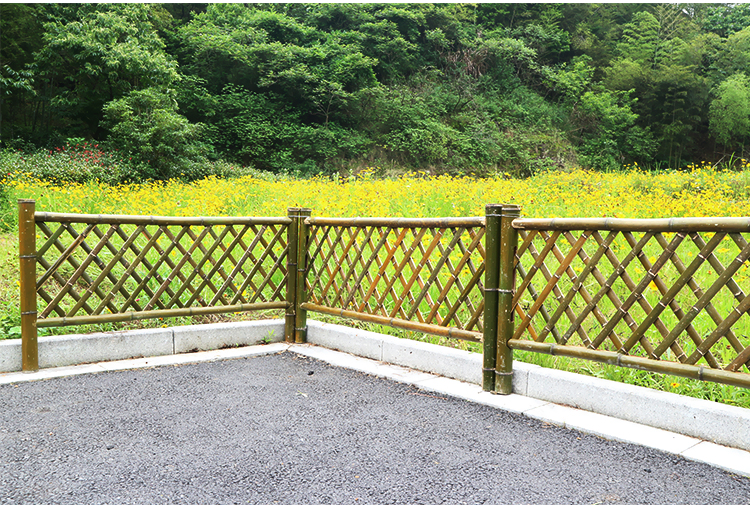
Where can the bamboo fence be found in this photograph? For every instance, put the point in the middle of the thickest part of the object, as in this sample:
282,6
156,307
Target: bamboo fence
664,295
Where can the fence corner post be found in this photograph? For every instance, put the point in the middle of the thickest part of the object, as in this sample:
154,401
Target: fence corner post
291,274
27,282
492,214
506,290
300,325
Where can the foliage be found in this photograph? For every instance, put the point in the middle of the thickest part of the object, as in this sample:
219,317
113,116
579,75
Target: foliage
315,88
160,142
730,110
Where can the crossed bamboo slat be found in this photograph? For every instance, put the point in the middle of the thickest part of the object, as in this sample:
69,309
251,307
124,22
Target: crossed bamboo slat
122,267
540,273
410,273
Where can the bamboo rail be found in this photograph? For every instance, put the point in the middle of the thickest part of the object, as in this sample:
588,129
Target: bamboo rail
683,224
430,329
614,358
154,314
53,217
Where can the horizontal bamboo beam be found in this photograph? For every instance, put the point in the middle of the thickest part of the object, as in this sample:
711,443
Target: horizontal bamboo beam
683,224
152,314
156,220
397,222
614,358
431,329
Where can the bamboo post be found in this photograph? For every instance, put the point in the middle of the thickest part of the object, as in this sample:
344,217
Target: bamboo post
492,214
300,329
291,274
506,285
27,281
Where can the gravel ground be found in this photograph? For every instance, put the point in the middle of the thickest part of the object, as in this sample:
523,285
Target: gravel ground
294,430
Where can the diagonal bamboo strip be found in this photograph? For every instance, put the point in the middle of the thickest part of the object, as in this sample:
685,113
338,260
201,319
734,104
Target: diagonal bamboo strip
652,275
620,271
383,265
741,243
539,258
164,286
408,259
208,258
177,267
65,255
218,265
478,234
534,295
601,280
340,263
455,279
54,273
258,262
710,309
94,286
433,272
742,358
668,299
276,266
720,331
416,269
698,292
444,261
549,246
239,267
527,239
51,238
326,261
187,256
578,284
163,259
117,257
60,280
143,259
464,295
166,282
345,302
708,295
552,282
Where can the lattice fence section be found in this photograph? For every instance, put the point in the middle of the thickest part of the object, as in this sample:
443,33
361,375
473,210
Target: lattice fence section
123,264
427,271
673,296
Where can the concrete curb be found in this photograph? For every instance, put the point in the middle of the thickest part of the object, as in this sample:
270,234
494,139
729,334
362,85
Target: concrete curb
715,422
67,350
722,424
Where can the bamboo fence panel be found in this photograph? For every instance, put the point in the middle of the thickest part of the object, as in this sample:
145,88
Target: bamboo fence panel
419,274
107,268
666,295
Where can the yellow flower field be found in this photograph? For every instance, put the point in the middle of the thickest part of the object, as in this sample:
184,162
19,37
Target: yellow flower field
697,191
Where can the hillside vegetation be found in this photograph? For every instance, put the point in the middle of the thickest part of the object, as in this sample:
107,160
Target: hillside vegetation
183,90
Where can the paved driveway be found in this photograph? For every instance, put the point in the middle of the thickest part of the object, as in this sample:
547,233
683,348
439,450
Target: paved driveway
289,429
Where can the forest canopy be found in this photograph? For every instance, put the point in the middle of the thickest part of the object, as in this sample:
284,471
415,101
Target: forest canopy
317,88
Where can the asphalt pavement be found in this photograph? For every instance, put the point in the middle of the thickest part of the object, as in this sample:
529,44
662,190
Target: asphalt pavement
290,429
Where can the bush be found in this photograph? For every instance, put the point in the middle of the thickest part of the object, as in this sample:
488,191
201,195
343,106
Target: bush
159,142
